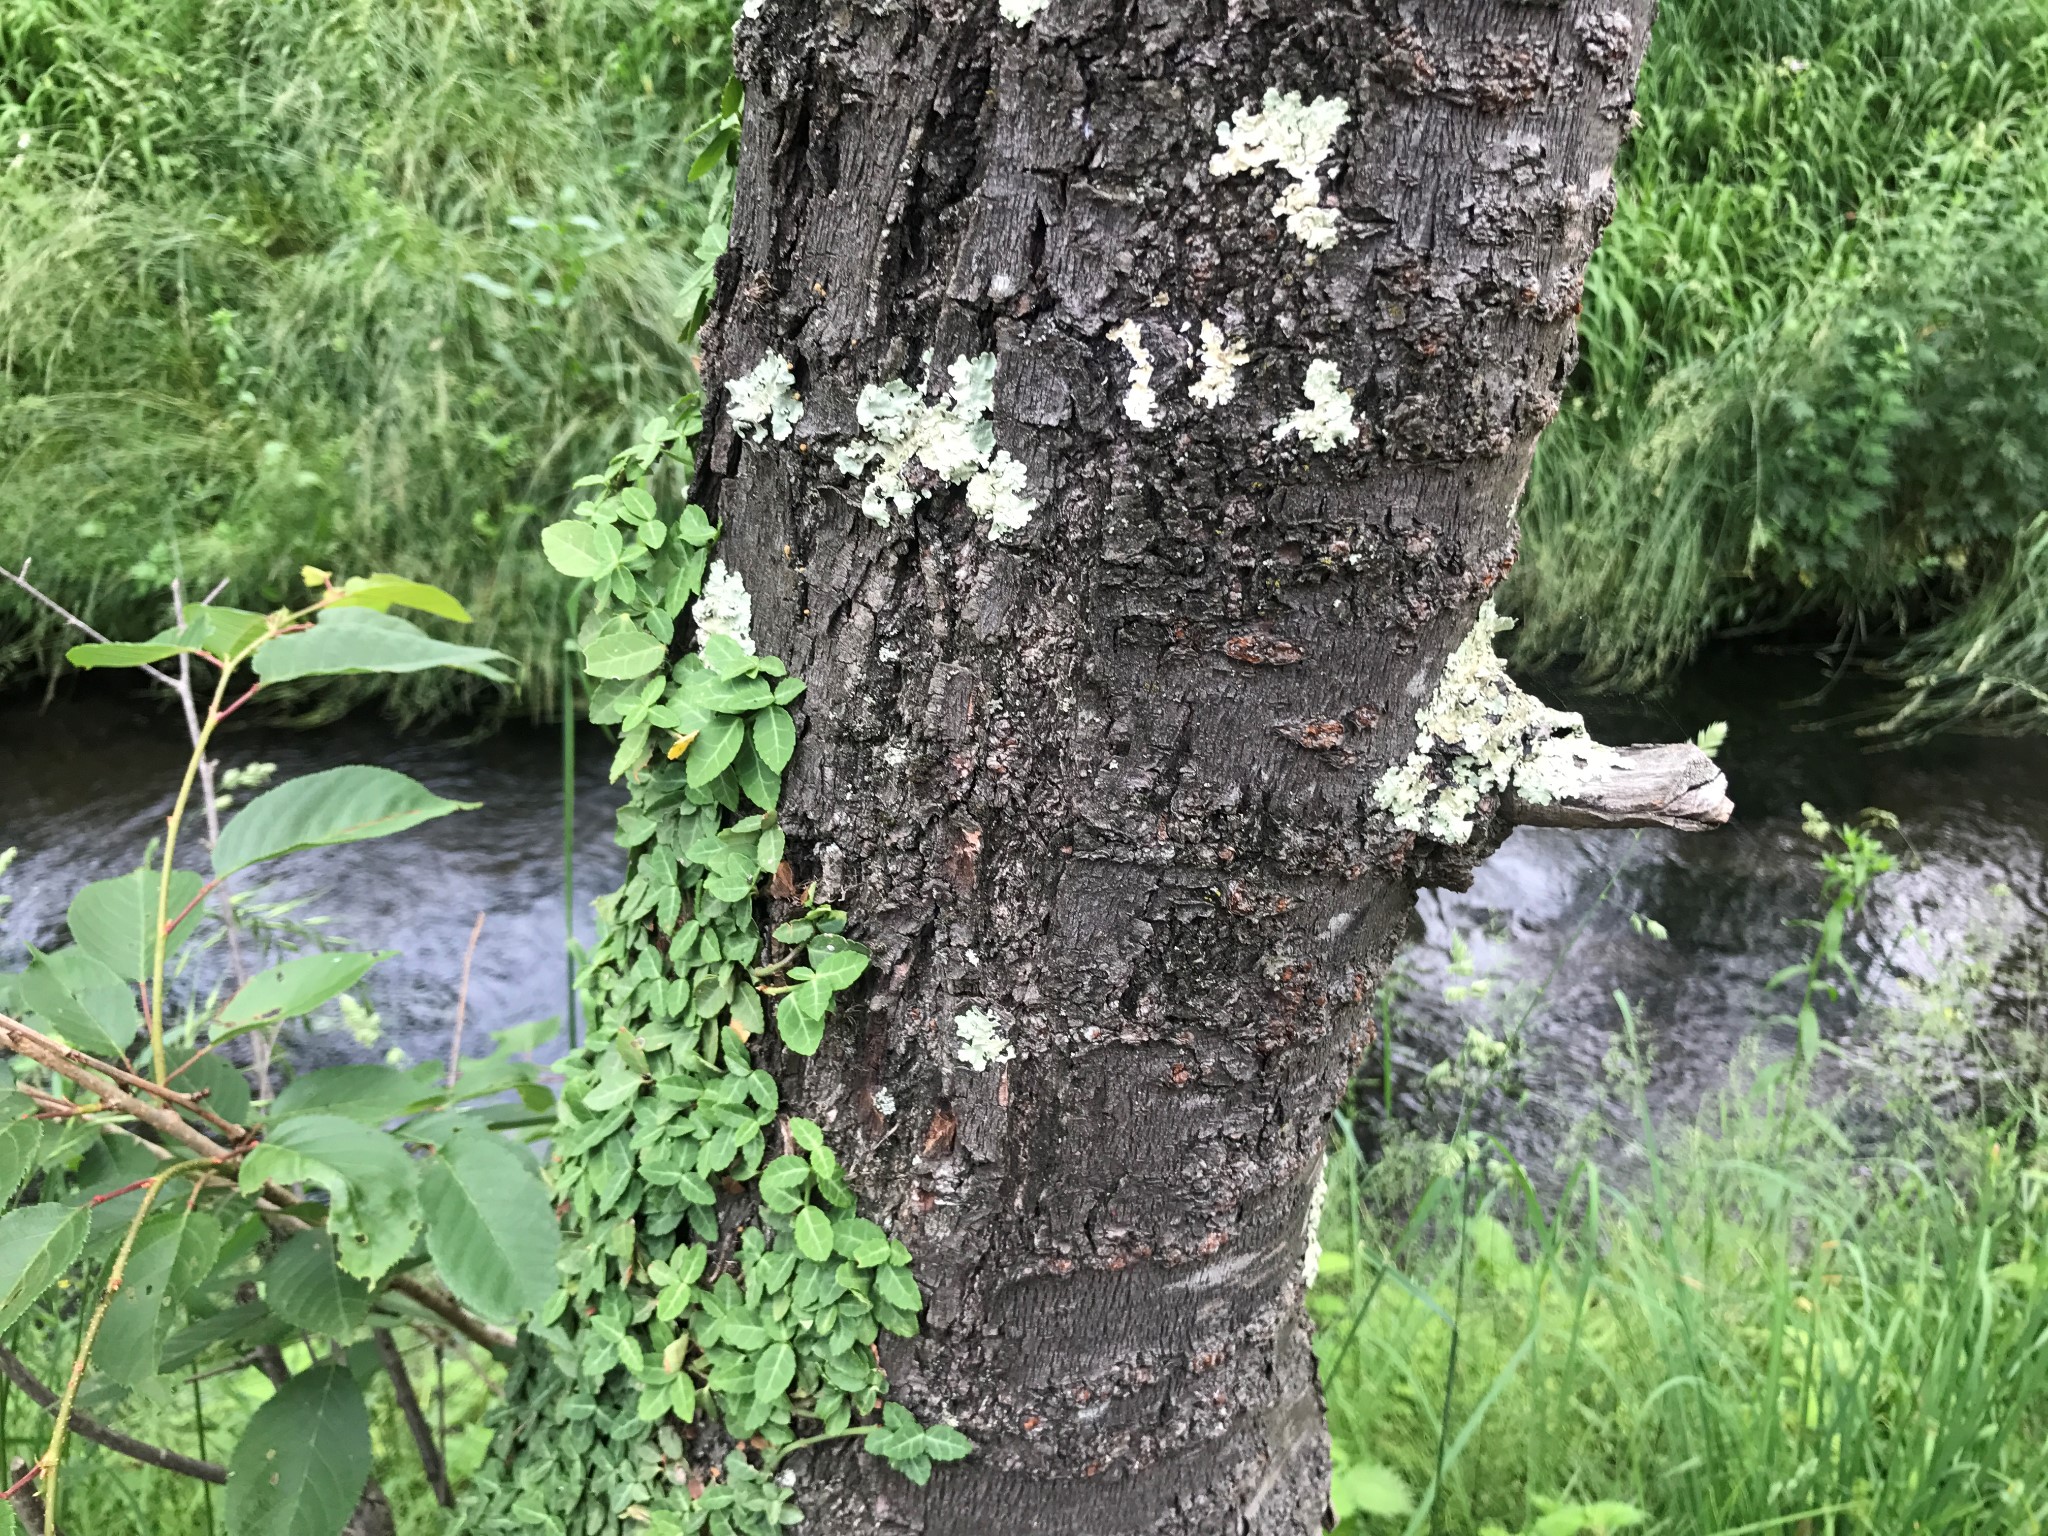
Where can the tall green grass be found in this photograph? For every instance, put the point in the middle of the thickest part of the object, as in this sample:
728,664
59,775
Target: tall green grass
1814,381
367,282
1810,1313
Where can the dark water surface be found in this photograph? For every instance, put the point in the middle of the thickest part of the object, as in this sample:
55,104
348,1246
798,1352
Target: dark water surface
85,783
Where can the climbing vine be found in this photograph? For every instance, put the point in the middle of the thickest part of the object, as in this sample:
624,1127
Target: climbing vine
719,1292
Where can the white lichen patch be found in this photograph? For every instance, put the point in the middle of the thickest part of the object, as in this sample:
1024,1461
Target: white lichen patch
1312,1250
1296,137
726,608
763,403
1023,12
982,1041
1140,403
951,440
1478,734
1326,420
885,1102
1221,358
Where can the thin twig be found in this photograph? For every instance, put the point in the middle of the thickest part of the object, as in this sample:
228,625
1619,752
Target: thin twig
49,1052
415,1420
88,1428
462,1002
21,580
65,1061
67,1403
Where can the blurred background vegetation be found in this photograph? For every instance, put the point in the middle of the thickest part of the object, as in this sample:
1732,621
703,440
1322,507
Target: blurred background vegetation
381,277
375,279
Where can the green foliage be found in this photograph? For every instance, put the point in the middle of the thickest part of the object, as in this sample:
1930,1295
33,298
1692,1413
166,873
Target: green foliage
376,276
1803,1312
717,1273
1815,343
323,1194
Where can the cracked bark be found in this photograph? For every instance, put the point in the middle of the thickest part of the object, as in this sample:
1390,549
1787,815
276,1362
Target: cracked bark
1110,779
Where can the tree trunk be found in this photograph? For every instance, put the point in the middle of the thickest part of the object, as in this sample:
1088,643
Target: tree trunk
1101,793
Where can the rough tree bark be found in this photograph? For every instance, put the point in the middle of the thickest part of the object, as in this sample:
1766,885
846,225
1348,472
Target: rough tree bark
1109,780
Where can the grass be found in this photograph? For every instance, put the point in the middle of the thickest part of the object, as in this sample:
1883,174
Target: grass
1815,347
363,282
1810,1313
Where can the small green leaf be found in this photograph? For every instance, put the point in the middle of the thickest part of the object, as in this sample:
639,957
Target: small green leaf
367,1092
322,810
942,1442
801,1032
293,989
714,749
303,1461
21,1135
837,963
305,1285
622,649
783,1183
172,1253
582,550
490,1227
371,1182
894,1285
775,736
384,591
37,1244
774,1371
347,641
812,1230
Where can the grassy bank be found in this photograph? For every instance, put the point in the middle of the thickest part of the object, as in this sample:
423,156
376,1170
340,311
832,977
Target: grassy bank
1815,369
1815,1312
366,282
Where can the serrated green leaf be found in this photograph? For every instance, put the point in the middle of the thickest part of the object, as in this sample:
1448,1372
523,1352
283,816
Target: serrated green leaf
304,1459
942,1442
775,736
372,1184
114,921
346,642
801,1032
783,1182
323,810
584,551
384,591
894,1285
490,1226
172,1253
37,1244
714,749
836,963
621,650
812,1230
367,1092
305,1285
81,1000
294,989
774,1371
21,1135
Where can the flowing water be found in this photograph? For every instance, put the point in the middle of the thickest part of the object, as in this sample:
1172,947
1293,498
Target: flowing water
86,781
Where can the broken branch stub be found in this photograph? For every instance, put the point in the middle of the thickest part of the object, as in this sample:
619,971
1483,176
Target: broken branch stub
1673,785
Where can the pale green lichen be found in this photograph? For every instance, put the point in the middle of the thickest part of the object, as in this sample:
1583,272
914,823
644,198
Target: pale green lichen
1478,734
1312,1251
951,439
982,1041
1326,420
1140,403
726,608
1022,12
1295,136
1221,358
764,401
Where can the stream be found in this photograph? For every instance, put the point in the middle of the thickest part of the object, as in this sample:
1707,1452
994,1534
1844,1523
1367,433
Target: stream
86,780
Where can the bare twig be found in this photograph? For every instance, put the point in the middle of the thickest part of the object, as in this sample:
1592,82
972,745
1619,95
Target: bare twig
65,1061
462,1002
88,1428
416,1421
103,1078
20,579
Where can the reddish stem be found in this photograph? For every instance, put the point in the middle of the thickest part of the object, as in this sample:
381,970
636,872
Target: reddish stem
115,1194
204,891
250,693
34,1472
